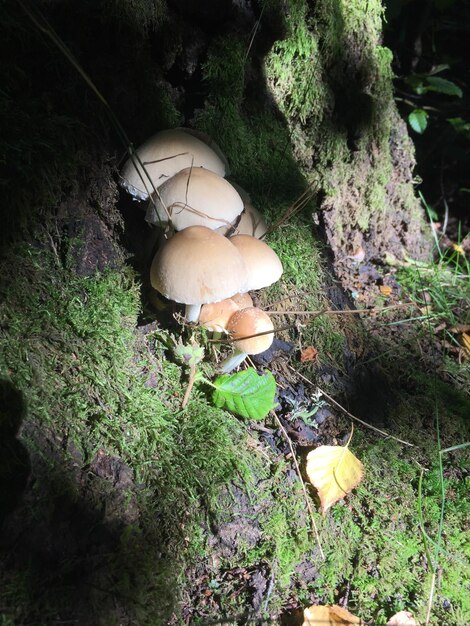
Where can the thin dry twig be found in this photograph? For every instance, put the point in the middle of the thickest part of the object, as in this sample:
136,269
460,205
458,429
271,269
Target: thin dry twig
343,312
353,417
307,500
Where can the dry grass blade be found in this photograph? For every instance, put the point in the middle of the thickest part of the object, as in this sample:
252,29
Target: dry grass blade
299,204
307,500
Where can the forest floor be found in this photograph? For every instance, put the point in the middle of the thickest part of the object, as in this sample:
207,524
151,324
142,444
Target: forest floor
122,508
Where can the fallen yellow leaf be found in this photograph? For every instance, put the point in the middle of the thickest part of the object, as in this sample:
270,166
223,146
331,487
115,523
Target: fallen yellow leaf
329,615
334,471
465,341
403,618
458,248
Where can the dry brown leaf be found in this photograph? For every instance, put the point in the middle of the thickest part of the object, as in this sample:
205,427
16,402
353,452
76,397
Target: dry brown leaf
460,328
308,354
334,471
385,290
403,618
329,615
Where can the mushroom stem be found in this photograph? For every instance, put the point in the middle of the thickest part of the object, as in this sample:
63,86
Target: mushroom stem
233,361
192,312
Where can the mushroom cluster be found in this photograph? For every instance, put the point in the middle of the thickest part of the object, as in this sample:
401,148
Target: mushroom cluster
212,254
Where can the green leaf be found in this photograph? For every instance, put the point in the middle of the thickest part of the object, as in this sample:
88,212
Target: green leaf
415,81
418,119
245,393
460,126
442,85
439,68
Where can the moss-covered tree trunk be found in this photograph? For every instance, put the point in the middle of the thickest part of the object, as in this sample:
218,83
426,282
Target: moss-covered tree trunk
322,65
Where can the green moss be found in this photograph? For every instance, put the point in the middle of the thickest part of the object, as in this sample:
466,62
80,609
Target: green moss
301,289
374,544
294,69
71,350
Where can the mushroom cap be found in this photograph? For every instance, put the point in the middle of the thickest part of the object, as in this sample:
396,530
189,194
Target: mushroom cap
251,223
195,197
215,315
242,300
263,265
196,266
247,322
165,154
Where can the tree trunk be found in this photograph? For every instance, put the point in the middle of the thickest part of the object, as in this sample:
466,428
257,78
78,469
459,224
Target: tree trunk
306,88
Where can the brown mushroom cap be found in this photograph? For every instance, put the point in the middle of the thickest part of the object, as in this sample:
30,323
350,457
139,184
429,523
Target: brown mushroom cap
263,265
247,322
197,265
242,300
195,197
165,154
215,315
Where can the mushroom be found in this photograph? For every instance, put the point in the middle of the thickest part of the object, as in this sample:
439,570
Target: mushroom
251,223
242,326
165,154
195,197
196,266
243,300
215,315
263,265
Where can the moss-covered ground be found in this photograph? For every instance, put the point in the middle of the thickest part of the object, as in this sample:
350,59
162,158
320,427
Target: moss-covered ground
118,506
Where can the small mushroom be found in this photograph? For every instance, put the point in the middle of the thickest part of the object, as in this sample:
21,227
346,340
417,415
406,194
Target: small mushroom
196,266
215,315
242,326
195,197
243,300
263,265
165,154
251,223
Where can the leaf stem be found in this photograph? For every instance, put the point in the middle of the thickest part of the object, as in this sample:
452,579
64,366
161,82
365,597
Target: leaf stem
192,378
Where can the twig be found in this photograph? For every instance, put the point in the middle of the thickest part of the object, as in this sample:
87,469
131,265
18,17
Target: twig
353,417
307,499
343,312
192,378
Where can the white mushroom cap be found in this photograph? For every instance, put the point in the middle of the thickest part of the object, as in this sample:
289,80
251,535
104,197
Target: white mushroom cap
165,154
196,266
263,265
241,326
195,197
251,223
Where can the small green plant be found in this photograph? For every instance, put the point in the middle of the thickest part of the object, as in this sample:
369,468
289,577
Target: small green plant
422,84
